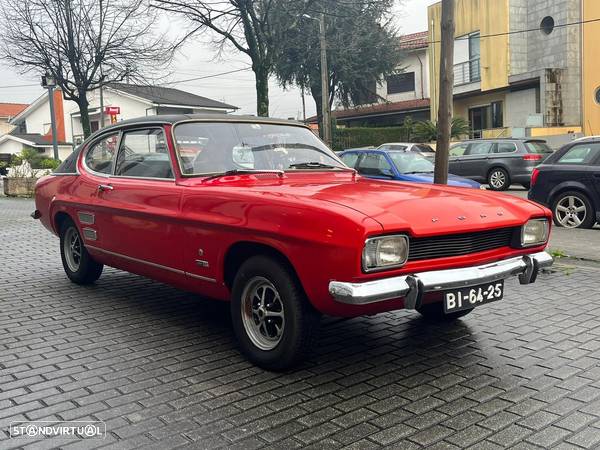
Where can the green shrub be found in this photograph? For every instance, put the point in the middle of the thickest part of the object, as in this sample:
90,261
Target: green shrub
344,138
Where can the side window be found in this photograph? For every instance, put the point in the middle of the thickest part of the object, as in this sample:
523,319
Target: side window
99,157
480,148
580,154
144,153
374,164
350,159
505,147
458,150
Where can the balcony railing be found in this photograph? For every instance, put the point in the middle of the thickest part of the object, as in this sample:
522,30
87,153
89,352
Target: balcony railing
467,72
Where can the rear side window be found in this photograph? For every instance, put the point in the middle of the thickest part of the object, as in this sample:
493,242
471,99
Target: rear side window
144,154
505,147
537,147
350,159
480,148
424,148
581,154
458,150
99,158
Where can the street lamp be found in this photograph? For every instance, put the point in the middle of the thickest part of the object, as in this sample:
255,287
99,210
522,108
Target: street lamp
49,82
324,79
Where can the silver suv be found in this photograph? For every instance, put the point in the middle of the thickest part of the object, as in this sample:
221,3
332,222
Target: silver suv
498,162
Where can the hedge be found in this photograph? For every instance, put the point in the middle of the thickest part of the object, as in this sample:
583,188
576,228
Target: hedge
344,138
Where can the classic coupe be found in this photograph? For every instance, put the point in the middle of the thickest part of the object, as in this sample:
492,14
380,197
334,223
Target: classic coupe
261,213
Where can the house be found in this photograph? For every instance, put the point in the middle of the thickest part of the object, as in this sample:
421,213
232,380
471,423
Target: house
7,112
397,96
121,101
511,82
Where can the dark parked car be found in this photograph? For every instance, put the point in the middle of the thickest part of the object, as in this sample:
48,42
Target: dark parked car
569,183
498,162
401,165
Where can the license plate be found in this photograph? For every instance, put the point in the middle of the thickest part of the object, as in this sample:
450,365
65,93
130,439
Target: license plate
467,298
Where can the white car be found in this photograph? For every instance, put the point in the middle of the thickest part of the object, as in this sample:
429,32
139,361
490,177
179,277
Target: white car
423,149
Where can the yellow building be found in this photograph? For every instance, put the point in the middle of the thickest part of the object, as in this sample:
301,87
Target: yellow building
523,67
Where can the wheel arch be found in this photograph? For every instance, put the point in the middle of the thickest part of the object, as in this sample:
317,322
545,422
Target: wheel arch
241,251
575,187
59,218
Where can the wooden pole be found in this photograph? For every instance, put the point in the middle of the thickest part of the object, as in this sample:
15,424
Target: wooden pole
324,83
444,122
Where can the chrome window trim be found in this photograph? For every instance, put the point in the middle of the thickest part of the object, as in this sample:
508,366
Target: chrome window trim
93,143
65,174
151,264
241,120
138,128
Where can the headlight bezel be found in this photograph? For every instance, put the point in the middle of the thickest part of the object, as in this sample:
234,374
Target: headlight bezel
546,232
378,241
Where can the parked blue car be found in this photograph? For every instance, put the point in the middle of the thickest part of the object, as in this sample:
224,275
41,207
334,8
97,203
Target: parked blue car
401,165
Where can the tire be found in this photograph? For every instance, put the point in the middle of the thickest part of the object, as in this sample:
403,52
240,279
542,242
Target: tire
498,179
79,266
573,209
434,312
274,333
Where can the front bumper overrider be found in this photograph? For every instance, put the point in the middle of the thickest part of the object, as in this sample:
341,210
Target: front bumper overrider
412,287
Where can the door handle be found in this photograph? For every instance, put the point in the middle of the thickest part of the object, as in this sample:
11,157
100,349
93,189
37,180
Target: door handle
105,187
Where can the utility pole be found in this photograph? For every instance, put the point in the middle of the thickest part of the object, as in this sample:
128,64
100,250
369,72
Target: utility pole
444,122
324,83
49,82
303,106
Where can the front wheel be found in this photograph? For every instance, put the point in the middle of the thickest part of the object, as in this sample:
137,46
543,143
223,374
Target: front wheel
77,262
434,312
275,324
499,179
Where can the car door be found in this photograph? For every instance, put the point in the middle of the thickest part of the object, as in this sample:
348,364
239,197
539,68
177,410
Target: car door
457,153
474,163
375,165
140,203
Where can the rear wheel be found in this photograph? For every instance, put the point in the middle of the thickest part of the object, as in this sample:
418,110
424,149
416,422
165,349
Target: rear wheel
573,209
77,262
434,312
499,179
275,324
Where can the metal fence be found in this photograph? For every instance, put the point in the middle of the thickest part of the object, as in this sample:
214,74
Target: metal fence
467,72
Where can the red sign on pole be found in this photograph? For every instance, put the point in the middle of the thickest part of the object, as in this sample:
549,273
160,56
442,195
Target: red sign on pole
112,110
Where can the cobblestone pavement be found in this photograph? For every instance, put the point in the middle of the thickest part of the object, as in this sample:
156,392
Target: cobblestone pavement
161,369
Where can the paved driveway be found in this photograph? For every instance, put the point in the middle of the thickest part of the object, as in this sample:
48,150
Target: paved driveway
161,369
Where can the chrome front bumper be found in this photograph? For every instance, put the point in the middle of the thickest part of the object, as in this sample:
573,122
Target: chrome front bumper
412,287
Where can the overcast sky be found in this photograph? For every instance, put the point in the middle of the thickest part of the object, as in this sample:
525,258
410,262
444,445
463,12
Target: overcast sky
197,59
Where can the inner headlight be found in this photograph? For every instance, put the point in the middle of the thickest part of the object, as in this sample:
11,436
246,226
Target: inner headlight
385,252
534,232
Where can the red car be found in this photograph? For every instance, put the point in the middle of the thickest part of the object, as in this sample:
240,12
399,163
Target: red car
261,213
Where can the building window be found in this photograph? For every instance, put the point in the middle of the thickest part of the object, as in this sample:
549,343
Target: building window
402,82
547,25
497,116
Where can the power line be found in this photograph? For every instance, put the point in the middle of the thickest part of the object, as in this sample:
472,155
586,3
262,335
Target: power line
19,85
206,76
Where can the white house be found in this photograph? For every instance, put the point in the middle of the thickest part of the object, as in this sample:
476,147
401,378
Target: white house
33,127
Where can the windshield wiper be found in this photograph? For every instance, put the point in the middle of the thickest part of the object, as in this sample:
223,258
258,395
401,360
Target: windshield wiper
318,165
279,173
417,172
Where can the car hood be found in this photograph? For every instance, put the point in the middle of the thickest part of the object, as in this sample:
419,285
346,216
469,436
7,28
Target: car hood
423,209
453,180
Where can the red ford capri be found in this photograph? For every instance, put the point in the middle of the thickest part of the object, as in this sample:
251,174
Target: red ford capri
260,213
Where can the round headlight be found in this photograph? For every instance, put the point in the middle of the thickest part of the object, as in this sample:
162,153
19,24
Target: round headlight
385,252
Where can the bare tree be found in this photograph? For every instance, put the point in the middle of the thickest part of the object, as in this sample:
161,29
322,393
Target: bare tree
247,25
84,44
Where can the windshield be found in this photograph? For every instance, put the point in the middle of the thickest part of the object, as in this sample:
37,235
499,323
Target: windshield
392,147
410,162
538,147
218,147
